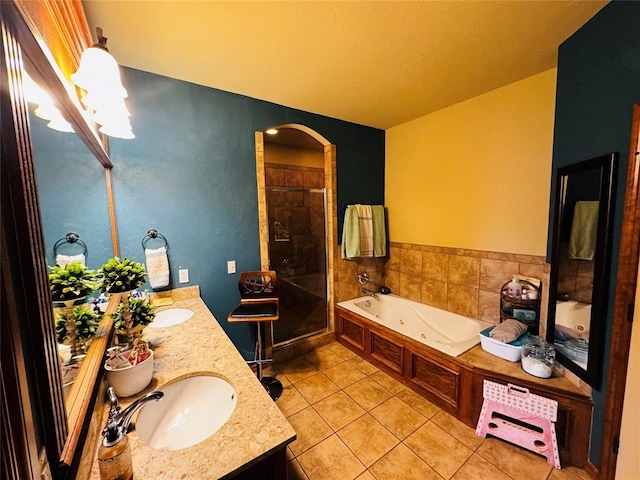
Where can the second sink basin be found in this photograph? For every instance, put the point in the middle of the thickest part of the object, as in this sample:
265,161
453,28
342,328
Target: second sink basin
168,318
190,411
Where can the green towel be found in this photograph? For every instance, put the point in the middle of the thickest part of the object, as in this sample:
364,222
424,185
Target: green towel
350,233
379,231
584,229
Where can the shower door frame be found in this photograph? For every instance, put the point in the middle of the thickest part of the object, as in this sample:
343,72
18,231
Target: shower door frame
331,235
323,191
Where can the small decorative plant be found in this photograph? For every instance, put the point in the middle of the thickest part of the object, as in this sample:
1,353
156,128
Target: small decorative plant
71,282
120,276
142,314
76,327
117,276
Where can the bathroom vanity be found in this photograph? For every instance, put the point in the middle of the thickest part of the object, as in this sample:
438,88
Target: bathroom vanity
251,444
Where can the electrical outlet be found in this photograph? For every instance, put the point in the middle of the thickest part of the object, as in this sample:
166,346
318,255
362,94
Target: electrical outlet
231,267
184,275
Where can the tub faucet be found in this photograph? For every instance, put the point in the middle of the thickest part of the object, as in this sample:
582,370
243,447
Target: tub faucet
363,278
369,293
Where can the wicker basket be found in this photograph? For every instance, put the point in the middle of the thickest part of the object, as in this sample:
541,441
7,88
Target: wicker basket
526,311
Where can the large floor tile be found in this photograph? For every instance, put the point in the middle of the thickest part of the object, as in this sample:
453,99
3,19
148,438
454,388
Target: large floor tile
368,393
323,359
344,374
316,387
338,410
298,369
398,417
441,451
402,464
295,471
459,430
291,401
341,350
368,439
477,468
367,475
331,460
387,381
310,430
418,402
362,365
514,461
571,473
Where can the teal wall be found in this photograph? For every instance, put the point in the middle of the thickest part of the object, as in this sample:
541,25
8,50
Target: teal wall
190,174
598,83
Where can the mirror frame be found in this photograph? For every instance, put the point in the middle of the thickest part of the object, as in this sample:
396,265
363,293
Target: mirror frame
25,40
607,165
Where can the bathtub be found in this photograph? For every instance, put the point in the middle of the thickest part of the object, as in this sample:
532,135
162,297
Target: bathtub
445,331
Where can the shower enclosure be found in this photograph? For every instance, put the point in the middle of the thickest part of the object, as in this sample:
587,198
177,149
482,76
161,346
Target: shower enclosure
297,252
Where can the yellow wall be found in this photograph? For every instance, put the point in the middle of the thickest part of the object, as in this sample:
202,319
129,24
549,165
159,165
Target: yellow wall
477,174
303,157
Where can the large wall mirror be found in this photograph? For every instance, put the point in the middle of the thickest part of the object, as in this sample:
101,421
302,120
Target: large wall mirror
32,149
580,261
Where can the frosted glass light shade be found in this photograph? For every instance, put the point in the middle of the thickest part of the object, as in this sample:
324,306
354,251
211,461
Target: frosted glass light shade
97,69
118,131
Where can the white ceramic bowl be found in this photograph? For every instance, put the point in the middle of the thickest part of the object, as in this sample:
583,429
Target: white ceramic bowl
131,380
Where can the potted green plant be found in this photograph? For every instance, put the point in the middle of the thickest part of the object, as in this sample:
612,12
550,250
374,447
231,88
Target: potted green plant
70,285
85,322
118,276
142,314
122,276
71,282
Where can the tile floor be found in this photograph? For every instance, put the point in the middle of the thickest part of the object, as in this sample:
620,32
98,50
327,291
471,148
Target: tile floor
353,421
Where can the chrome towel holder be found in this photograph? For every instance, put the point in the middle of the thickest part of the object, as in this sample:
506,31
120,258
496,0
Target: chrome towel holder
153,233
70,237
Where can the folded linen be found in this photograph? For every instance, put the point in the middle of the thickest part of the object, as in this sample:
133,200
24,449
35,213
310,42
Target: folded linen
157,267
365,223
379,231
63,260
508,331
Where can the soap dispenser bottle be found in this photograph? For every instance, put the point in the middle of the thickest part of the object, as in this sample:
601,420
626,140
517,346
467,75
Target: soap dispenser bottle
114,454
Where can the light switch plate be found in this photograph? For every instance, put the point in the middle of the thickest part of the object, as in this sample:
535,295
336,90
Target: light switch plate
231,267
184,275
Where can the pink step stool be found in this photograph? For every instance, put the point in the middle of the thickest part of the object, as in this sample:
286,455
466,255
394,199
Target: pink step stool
513,414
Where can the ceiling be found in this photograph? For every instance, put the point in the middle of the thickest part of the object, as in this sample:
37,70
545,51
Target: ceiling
375,63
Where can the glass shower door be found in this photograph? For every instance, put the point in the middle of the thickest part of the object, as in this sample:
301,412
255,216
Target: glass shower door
297,252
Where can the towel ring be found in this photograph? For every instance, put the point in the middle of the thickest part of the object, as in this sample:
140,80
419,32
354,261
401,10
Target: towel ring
70,237
153,233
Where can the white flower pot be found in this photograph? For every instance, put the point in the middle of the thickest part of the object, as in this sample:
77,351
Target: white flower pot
131,380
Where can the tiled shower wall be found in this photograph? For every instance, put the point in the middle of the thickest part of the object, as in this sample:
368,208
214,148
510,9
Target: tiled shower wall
458,280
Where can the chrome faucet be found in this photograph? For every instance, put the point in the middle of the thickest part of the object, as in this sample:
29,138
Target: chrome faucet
119,420
363,278
369,293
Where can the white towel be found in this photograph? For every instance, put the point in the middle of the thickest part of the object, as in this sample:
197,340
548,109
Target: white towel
365,222
63,260
157,267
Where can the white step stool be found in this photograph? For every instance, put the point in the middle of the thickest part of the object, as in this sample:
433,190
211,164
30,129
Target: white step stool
513,414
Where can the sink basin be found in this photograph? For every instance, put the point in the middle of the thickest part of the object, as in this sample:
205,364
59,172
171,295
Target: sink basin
168,318
190,411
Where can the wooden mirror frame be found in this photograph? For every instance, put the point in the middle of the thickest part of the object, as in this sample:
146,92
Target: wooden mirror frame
607,166
33,381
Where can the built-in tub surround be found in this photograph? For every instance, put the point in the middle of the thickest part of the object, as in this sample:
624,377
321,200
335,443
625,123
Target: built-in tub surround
455,384
448,332
255,431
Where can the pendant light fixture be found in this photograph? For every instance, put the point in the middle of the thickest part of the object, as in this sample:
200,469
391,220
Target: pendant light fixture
99,77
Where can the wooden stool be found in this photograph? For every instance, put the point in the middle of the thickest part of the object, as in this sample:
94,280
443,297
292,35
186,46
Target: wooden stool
259,304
